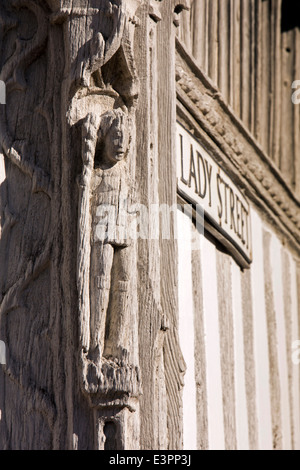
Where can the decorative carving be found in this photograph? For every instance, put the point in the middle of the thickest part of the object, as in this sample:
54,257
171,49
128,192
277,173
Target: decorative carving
13,75
106,336
9,221
179,6
103,89
12,299
154,12
30,222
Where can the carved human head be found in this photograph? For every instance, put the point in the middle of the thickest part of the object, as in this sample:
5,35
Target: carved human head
114,134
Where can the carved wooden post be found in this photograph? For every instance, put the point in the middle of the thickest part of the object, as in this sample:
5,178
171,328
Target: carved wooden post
31,321
162,365
174,362
87,85
100,91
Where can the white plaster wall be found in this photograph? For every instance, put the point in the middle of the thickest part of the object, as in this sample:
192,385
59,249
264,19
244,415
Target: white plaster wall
186,329
290,412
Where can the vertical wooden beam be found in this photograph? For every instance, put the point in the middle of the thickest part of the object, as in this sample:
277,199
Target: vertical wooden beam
276,76
246,71
200,354
287,124
252,22
198,30
296,113
248,329
224,47
242,421
224,290
184,31
275,395
148,250
257,67
264,56
235,57
213,41
174,363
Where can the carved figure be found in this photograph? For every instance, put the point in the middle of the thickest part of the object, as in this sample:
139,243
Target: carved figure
103,85
111,259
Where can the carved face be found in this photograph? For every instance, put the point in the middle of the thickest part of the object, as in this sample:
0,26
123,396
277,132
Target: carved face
117,139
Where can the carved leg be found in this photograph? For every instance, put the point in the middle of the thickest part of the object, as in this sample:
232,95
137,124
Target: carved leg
101,265
119,322
113,371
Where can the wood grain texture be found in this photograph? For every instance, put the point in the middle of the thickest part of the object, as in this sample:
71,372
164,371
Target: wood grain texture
241,47
288,317
30,246
94,359
273,344
247,308
224,287
240,375
200,353
174,363
152,327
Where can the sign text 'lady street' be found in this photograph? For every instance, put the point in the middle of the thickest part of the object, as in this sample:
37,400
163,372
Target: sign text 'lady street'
203,182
